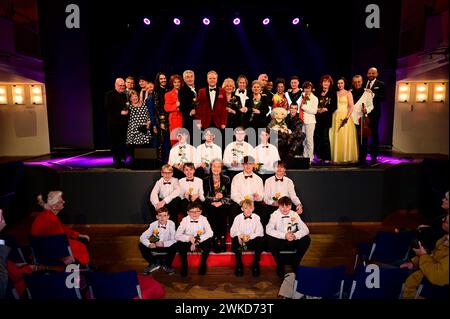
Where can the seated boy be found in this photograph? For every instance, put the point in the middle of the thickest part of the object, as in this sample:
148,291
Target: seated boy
287,232
247,233
191,188
166,193
194,233
159,238
182,152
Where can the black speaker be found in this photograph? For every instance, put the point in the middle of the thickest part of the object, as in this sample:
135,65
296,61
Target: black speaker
145,153
298,162
145,158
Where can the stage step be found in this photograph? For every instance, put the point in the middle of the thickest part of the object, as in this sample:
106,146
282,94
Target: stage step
225,259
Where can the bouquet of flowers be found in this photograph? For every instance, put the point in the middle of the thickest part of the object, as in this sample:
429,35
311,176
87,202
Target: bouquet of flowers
206,161
276,197
233,104
197,239
245,240
190,190
127,106
258,167
324,101
256,105
292,226
218,190
154,238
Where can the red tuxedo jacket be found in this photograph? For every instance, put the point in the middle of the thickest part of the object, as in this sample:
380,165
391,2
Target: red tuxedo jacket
217,115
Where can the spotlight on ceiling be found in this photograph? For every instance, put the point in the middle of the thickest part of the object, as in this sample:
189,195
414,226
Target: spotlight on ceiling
295,21
146,21
177,21
266,21
236,21
206,21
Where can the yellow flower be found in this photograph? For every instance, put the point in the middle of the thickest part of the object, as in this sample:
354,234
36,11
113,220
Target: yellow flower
191,190
199,232
155,231
246,238
277,195
247,197
293,219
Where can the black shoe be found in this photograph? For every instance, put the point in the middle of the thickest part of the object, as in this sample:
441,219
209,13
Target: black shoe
256,271
280,271
223,245
216,246
183,272
239,271
202,270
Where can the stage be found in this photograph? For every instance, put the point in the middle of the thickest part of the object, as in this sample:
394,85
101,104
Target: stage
96,193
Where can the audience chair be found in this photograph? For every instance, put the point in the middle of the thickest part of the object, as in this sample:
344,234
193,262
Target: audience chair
118,285
50,285
327,283
49,250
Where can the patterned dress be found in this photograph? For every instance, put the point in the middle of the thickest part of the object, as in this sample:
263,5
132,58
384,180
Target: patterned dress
136,134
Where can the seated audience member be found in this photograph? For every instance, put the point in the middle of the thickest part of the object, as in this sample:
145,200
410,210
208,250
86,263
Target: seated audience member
236,151
247,232
191,188
166,193
194,234
248,185
279,186
266,156
181,153
217,203
287,232
206,153
159,238
433,267
4,251
47,223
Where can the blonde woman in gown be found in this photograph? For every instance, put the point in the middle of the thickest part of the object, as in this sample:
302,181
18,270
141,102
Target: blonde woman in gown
343,138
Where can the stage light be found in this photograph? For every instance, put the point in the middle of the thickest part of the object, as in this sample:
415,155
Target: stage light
177,21
403,92
206,21
266,21
18,94
295,21
422,92
236,21
36,94
3,96
439,92
146,21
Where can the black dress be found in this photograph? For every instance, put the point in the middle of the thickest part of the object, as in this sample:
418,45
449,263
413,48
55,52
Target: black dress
323,124
259,120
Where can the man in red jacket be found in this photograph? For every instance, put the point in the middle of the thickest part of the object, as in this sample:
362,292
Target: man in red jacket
212,104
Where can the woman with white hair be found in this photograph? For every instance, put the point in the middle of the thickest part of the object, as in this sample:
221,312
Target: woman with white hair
47,223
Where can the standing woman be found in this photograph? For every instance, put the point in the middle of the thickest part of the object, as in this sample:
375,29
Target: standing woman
259,107
138,132
172,106
279,99
344,148
324,117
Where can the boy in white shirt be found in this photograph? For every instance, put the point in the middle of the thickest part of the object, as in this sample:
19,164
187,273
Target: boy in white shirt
247,233
194,233
206,153
159,238
166,193
191,188
236,151
181,153
287,232
266,156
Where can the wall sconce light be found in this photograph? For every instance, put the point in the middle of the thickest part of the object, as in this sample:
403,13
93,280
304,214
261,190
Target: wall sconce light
3,96
18,94
36,94
403,92
422,92
439,92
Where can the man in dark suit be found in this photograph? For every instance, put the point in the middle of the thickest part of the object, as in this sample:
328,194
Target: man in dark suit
188,99
117,109
377,87
212,104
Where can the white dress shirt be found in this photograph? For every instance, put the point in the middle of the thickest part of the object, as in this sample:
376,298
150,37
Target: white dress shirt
282,188
212,96
367,99
288,97
242,96
195,188
370,84
165,190
166,233
267,154
250,226
279,223
235,152
206,153
189,227
181,154
242,187
310,109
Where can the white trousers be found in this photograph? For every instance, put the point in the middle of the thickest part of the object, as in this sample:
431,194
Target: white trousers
308,143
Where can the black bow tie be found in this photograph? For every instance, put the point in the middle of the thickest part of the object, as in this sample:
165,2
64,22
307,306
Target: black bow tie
181,147
212,89
161,226
278,179
265,146
287,216
194,221
189,180
241,91
239,144
167,183
250,176
208,146
249,217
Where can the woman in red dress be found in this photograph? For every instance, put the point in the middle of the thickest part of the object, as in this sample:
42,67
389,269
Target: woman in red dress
47,223
172,106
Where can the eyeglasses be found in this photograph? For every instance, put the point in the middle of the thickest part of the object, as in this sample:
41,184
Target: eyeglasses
195,211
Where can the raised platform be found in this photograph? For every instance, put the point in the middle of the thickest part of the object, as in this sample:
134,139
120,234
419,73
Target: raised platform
96,193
